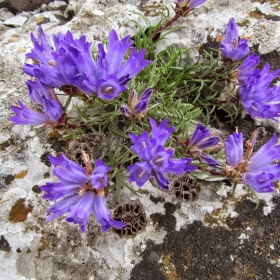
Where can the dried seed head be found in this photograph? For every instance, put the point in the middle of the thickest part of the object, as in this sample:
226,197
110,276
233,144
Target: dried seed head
186,188
133,215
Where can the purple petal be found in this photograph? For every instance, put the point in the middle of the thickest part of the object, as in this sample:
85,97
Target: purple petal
161,180
195,3
27,116
231,32
81,211
234,149
161,132
68,171
99,178
103,215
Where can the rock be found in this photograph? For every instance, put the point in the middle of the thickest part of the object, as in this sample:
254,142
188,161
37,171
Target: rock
57,5
16,6
5,14
16,21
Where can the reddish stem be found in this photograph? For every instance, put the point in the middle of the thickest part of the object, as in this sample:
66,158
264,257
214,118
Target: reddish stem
177,15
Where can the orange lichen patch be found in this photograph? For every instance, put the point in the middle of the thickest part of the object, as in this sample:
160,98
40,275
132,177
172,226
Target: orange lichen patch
169,269
19,211
21,174
13,39
255,15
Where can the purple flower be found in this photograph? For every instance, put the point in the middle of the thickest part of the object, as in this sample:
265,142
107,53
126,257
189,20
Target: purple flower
70,62
155,159
231,48
137,108
80,192
203,140
242,72
257,170
47,102
256,95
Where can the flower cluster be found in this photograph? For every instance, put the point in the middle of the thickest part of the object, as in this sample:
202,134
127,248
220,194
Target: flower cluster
70,62
155,159
257,170
255,94
80,192
67,64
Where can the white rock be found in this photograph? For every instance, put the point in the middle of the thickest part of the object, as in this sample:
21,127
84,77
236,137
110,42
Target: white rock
16,21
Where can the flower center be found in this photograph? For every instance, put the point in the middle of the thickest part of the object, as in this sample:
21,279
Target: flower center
107,90
85,188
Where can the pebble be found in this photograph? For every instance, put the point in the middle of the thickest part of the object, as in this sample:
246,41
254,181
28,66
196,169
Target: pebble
16,21
57,5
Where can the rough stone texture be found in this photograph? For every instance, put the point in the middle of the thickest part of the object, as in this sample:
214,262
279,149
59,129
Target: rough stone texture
16,21
216,237
22,5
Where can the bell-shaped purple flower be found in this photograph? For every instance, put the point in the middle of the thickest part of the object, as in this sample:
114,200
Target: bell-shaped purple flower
137,108
203,141
256,95
46,100
255,170
232,48
155,159
79,192
51,114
